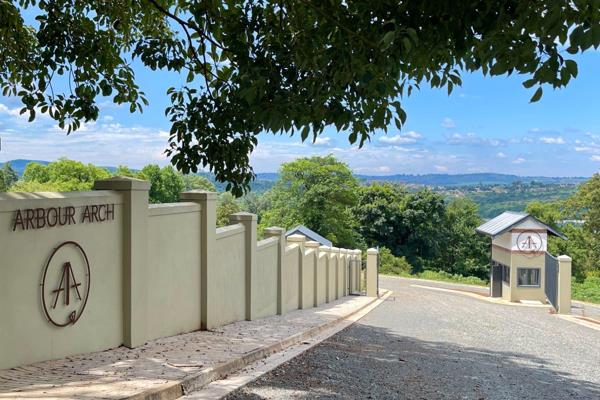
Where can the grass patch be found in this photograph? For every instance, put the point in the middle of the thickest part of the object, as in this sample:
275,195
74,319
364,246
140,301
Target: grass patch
441,276
588,290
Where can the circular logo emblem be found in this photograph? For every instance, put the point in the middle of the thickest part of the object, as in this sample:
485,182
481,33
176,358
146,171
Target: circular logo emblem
529,242
65,284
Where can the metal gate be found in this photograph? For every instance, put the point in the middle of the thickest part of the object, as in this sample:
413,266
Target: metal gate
551,281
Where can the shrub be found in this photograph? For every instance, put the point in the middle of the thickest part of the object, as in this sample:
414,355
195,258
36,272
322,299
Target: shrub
588,290
392,265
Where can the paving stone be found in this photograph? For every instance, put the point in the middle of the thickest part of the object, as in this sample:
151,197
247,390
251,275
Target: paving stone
123,372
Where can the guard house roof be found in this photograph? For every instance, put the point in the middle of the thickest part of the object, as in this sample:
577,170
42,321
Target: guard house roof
310,234
508,220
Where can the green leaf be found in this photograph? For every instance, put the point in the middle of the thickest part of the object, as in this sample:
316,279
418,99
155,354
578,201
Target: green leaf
537,95
572,67
388,38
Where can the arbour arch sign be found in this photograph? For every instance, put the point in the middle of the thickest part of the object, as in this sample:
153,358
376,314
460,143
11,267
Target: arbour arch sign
65,302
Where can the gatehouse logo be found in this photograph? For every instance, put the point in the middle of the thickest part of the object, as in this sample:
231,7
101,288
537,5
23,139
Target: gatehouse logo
65,284
529,242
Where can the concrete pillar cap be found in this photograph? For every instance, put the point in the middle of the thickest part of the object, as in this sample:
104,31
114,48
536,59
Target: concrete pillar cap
564,258
243,216
198,194
312,243
296,238
335,249
274,230
121,183
372,251
325,248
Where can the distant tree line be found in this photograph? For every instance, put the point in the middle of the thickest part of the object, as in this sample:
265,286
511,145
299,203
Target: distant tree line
416,231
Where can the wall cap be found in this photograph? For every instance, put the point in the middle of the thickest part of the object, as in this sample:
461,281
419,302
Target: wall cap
274,231
372,252
198,194
335,249
296,238
564,258
325,249
312,243
243,216
122,183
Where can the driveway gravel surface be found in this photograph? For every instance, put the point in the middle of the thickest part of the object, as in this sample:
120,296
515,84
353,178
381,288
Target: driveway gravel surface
430,344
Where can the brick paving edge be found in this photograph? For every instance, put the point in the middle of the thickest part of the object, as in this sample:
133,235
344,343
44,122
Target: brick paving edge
196,381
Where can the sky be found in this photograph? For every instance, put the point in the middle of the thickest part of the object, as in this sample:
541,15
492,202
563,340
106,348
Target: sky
487,125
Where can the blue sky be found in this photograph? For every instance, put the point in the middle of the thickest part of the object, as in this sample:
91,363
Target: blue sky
487,125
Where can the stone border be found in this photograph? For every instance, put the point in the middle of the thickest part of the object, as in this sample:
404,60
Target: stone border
198,380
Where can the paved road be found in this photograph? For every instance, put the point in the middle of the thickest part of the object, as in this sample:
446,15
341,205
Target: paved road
428,344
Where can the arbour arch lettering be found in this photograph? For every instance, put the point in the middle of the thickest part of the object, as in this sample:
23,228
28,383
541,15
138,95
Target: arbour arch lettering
50,217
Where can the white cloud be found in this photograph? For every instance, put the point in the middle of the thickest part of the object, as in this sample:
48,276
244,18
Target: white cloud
519,160
448,123
408,137
552,140
595,158
322,141
500,155
472,139
440,168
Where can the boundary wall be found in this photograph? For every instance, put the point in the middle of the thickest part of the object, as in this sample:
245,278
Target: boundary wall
88,271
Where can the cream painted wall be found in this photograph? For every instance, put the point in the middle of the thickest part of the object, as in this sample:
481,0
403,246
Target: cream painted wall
227,297
504,240
527,293
332,266
156,271
264,301
341,275
291,278
173,269
322,278
308,278
25,334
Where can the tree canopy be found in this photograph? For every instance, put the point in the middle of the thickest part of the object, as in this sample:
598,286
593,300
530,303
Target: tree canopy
318,192
255,67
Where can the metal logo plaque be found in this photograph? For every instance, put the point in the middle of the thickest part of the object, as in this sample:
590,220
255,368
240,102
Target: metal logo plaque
65,284
529,243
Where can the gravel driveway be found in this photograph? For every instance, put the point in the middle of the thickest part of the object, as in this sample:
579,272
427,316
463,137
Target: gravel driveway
427,344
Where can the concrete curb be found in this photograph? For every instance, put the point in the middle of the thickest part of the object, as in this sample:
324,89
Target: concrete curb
196,381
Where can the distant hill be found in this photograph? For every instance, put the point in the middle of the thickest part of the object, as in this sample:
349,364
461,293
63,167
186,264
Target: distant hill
469,179
19,165
265,180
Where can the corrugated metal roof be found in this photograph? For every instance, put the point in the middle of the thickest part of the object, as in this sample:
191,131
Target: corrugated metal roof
501,223
509,219
312,235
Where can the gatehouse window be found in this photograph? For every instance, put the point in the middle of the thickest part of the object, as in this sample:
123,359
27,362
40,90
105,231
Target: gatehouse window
528,277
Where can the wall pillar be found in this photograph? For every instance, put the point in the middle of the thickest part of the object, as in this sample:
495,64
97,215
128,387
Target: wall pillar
312,245
208,243
325,250
299,240
335,252
346,272
356,264
135,253
280,234
564,284
372,273
249,221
